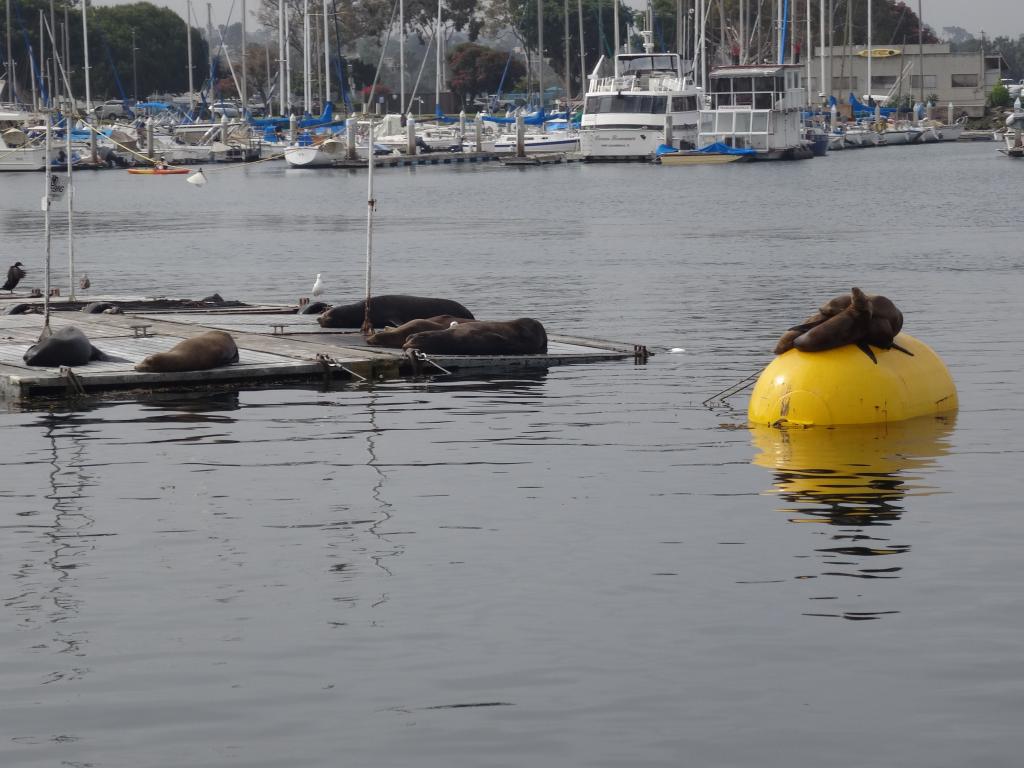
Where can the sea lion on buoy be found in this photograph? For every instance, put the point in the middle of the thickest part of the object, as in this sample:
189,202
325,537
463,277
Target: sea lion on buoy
523,336
314,308
211,349
68,346
886,321
390,309
396,337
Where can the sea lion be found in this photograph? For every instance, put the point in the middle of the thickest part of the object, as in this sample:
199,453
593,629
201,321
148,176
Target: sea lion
211,349
314,308
393,309
851,326
523,336
101,308
885,323
395,337
213,298
20,309
68,346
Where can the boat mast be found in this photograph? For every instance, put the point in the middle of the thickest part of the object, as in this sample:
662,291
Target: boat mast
920,47
307,94
437,60
327,59
401,56
540,52
615,10
10,56
870,97
808,50
85,49
188,43
821,43
245,67
568,49
371,204
583,51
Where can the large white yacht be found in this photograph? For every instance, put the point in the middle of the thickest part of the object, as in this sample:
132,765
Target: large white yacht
628,99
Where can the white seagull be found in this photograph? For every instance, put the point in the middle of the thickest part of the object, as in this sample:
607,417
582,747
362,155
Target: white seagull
318,286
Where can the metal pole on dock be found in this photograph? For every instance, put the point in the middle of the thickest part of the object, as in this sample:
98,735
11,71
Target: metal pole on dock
46,228
821,45
280,56
583,50
149,138
71,208
615,12
367,327
462,125
540,52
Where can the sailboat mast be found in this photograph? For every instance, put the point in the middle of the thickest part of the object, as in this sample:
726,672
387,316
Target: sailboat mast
869,51
583,51
188,43
85,49
245,64
401,56
821,43
71,207
327,59
568,58
540,52
10,56
920,47
370,205
307,100
437,59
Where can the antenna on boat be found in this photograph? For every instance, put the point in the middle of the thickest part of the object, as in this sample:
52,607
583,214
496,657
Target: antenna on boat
367,328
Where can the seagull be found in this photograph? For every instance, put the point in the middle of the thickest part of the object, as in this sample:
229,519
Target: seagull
14,275
84,283
318,285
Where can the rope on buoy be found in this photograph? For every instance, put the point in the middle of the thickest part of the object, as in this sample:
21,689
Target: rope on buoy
733,389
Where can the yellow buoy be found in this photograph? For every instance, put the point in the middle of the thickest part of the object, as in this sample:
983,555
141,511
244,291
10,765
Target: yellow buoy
843,386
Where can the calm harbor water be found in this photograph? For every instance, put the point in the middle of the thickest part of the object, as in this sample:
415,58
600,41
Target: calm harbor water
583,568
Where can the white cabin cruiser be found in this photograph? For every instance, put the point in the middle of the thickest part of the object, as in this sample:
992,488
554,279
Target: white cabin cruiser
628,100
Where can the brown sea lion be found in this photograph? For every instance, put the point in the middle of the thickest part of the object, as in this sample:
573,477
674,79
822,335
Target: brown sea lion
885,324
395,337
211,349
524,336
390,309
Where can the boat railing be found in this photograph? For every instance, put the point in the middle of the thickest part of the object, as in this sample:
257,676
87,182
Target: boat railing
638,83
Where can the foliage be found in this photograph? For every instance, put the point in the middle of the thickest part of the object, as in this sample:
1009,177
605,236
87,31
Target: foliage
161,53
475,69
999,96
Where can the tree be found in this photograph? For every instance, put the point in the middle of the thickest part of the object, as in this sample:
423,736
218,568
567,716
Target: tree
161,53
476,69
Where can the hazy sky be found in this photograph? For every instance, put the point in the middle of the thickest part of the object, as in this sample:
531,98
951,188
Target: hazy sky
995,17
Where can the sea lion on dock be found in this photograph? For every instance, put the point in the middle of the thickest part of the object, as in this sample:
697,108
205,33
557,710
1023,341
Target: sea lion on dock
523,336
101,308
68,346
20,309
211,349
314,308
396,337
390,309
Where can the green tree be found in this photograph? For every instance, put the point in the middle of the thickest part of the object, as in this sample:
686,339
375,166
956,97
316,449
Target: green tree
999,96
476,69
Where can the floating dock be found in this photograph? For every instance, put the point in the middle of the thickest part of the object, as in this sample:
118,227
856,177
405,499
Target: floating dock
427,158
275,346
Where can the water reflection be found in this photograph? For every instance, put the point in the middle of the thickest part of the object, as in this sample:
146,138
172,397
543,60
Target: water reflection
855,479
61,541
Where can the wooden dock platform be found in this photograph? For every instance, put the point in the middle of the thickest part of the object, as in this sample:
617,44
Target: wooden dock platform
428,158
274,348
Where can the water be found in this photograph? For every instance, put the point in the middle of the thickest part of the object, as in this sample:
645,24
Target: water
583,568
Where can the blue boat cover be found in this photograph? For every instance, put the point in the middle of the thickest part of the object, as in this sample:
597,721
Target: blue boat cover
718,148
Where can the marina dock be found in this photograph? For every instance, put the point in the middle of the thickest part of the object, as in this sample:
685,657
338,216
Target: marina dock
275,346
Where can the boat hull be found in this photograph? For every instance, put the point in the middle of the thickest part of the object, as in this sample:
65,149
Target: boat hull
22,158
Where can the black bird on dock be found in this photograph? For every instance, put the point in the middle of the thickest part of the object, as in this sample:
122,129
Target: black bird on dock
14,275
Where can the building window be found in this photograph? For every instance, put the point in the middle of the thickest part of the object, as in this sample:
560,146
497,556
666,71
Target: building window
882,82
844,83
930,81
964,81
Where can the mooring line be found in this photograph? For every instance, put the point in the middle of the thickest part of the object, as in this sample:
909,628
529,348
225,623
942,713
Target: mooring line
733,389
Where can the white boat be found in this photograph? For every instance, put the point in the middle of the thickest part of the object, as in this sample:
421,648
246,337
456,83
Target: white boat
537,143
627,101
324,154
18,154
895,133
756,108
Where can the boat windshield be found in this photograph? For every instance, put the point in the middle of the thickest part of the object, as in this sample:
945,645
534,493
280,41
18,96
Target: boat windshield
644,105
645,64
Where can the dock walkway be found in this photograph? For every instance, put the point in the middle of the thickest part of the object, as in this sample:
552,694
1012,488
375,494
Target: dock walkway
273,348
